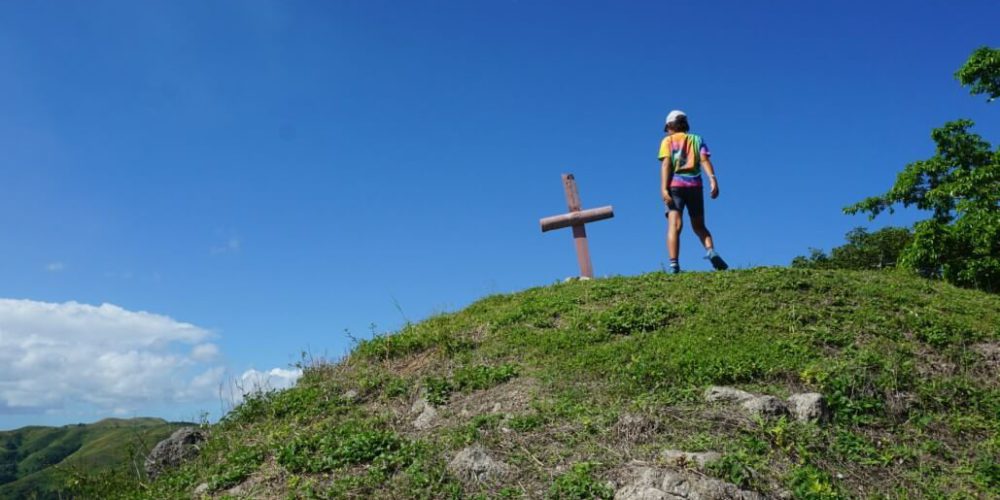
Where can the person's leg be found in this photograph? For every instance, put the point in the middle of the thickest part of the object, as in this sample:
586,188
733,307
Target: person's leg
674,225
697,208
675,222
698,225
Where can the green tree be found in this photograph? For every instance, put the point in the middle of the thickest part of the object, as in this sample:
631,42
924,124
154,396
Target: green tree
960,187
981,73
863,250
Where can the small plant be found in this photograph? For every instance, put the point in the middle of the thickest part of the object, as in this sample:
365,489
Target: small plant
438,390
630,317
580,483
238,465
526,422
811,483
483,377
349,444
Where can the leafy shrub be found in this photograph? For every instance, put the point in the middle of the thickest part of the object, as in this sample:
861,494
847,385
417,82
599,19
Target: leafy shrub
631,317
863,251
809,482
237,466
483,377
438,389
349,444
578,482
526,422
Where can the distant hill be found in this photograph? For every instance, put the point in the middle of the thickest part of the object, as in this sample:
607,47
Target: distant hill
35,461
597,389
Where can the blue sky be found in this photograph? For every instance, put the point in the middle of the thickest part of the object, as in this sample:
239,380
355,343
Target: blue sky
260,176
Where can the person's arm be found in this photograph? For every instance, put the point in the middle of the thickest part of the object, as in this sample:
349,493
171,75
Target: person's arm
710,170
665,176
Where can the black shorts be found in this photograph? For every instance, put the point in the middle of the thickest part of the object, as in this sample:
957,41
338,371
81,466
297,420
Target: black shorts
691,197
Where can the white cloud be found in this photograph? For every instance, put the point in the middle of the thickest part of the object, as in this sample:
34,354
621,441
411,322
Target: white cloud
55,267
253,381
61,356
205,352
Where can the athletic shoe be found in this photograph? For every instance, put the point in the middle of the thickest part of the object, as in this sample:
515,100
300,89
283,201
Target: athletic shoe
716,260
675,269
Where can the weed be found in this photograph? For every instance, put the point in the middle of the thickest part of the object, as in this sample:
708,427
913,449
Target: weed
630,317
526,422
238,465
580,483
438,390
808,482
348,444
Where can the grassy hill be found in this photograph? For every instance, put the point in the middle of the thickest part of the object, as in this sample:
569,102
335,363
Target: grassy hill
570,385
35,461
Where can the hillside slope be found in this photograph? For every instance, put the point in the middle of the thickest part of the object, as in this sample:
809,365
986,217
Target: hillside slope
34,460
572,390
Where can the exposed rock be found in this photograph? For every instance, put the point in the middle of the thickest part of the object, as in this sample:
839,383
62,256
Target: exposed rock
350,395
475,465
990,351
726,395
419,405
634,428
184,444
682,458
766,407
201,489
809,407
649,483
427,414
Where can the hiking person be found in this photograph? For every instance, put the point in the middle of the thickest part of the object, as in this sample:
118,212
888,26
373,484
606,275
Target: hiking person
683,157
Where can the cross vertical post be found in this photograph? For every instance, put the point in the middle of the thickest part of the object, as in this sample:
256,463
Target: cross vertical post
579,230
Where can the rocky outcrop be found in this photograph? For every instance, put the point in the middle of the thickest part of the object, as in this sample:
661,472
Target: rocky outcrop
183,445
651,483
719,394
426,414
804,407
634,428
809,407
766,407
474,464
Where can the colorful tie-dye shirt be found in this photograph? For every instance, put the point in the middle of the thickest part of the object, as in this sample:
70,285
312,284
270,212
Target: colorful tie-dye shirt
685,151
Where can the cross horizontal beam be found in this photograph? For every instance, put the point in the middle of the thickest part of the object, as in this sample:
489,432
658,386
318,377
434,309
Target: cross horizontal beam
576,218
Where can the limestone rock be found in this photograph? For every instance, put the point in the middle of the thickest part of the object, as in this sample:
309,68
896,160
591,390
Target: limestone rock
809,407
474,464
682,458
184,444
419,405
201,489
726,395
427,414
766,407
649,483
634,428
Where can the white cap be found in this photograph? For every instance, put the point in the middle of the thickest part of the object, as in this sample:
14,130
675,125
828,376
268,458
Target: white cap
674,114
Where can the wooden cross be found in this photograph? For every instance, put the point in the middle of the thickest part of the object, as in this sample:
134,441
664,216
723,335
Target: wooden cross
577,218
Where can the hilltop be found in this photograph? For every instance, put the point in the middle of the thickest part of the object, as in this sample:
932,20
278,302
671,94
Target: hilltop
38,461
572,390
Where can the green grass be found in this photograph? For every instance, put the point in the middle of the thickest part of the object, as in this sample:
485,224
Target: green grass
541,379
38,462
